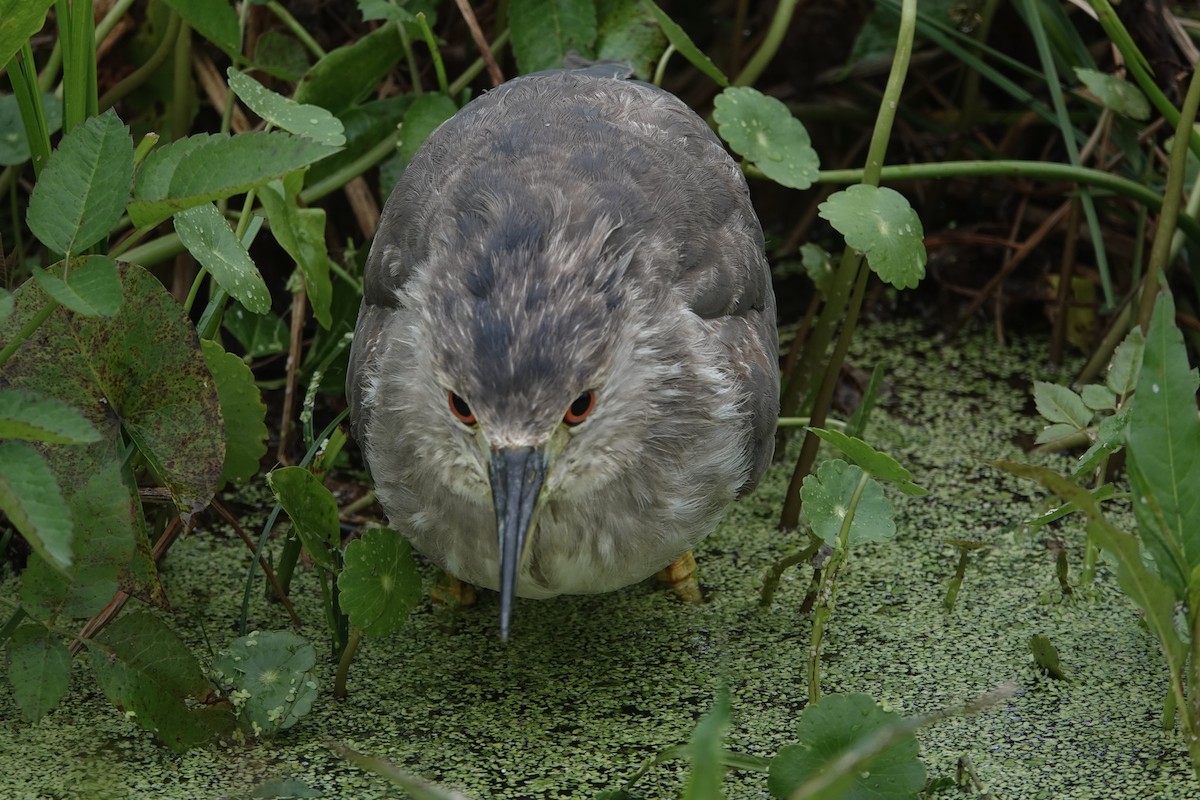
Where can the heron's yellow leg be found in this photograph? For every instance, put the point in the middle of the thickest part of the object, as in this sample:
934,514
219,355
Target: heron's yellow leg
451,593
680,574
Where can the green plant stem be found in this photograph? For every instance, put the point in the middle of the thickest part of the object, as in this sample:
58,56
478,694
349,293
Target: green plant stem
23,75
661,69
289,22
27,330
478,65
775,572
143,73
1036,170
1172,199
79,61
358,166
343,669
414,73
181,80
430,42
154,251
1034,21
770,45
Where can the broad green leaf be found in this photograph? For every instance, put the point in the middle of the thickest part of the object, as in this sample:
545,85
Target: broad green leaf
243,410
628,33
6,305
39,667
1100,493
879,222
313,510
102,543
880,465
203,168
312,122
836,726
1115,93
215,20
1155,532
1164,434
422,118
379,583
35,417
829,497
30,496
147,672
208,237
258,334
1098,398
348,74
92,289
273,680
413,786
138,374
1045,655
14,146
545,31
384,9
818,265
1154,597
707,769
761,130
1126,363
1110,436
83,188
1055,432
1060,404
301,232
281,56
19,20
684,44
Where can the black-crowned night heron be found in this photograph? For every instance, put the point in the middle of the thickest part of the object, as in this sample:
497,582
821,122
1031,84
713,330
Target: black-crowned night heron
565,365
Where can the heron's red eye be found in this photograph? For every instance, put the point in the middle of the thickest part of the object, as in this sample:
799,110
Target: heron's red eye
461,411
580,408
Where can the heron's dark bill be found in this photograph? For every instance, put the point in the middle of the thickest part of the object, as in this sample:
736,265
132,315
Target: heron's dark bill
517,475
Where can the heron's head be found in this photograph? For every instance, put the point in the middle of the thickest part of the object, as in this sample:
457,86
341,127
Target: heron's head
529,332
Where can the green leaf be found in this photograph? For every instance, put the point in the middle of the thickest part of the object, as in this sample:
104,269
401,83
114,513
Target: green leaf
6,305
19,20
35,417
203,168
1045,655
544,31
1115,93
30,496
346,75
281,56
707,767
39,668
312,122
93,288
1164,435
101,544
147,672
208,237
879,222
835,727
628,33
1055,432
1110,436
14,145
243,410
880,465
138,374
1099,398
215,20
422,118
684,44
818,265
313,510
272,675
83,188
1126,363
829,497
761,130
258,334
415,787
366,126
301,232
1060,404
383,9
379,583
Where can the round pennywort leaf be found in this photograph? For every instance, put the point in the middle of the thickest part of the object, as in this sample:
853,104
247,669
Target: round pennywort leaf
879,222
272,676
761,130
829,498
379,584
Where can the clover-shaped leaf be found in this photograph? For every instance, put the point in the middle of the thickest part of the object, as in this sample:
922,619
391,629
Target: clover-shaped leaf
273,680
836,726
879,222
379,584
829,496
761,130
